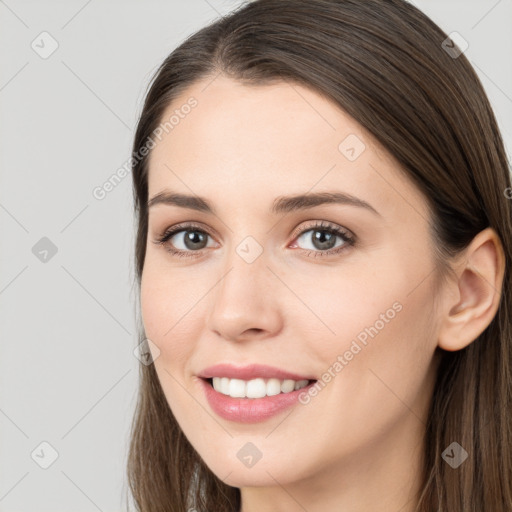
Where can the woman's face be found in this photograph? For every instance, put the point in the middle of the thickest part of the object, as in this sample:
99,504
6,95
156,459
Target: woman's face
265,280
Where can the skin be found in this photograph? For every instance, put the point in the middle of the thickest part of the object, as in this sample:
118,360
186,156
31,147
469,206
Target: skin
357,445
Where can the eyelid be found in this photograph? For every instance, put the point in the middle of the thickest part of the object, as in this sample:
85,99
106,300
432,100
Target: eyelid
186,226
323,224
173,230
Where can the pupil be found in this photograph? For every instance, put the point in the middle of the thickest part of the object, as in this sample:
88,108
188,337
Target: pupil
320,242
192,238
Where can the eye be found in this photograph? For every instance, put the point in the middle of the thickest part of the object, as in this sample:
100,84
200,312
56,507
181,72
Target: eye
324,239
184,240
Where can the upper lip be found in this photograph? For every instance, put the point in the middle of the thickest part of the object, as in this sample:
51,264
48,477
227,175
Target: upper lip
249,372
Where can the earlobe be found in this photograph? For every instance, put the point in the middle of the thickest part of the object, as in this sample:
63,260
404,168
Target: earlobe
476,292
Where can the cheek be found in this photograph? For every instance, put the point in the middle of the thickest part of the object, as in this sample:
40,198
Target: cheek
172,315
377,320
171,312
340,306
385,340
386,297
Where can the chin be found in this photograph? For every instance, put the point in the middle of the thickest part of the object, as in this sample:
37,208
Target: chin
263,473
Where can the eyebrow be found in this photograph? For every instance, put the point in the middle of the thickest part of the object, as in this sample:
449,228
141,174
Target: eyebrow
282,204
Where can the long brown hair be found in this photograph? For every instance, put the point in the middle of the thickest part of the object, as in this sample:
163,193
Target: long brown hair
385,64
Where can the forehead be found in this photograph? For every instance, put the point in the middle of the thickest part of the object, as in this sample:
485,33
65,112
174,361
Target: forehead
241,140
282,120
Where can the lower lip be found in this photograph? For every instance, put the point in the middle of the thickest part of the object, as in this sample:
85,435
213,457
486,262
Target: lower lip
250,410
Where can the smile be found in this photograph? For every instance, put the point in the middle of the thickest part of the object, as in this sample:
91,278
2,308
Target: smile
244,409
255,388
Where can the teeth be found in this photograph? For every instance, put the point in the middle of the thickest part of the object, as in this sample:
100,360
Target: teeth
237,388
287,386
300,384
224,385
255,388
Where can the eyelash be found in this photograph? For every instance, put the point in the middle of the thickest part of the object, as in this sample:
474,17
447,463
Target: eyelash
322,226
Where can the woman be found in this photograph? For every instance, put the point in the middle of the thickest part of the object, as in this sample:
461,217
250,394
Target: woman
323,256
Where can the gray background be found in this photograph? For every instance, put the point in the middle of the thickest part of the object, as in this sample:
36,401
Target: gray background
67,369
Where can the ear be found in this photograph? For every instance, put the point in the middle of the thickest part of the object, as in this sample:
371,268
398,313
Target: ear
475,294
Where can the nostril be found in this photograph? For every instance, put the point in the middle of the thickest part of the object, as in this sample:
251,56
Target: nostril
254,330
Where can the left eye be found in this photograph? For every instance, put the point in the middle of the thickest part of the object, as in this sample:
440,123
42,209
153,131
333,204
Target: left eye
323,239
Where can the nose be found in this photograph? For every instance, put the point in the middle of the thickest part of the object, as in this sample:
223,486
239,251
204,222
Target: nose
245,303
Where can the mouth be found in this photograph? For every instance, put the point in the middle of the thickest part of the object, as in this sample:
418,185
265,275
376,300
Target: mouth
254,392
256,388
255,400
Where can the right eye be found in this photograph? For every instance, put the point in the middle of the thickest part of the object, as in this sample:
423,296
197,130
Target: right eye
184,240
